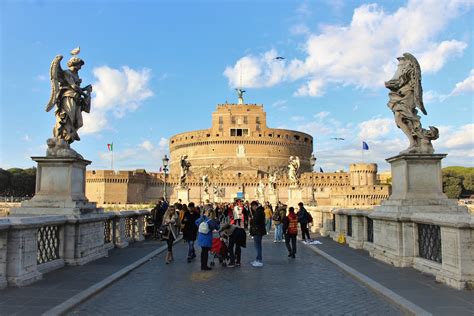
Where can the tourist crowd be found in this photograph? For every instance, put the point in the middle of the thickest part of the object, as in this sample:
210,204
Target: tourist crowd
221,228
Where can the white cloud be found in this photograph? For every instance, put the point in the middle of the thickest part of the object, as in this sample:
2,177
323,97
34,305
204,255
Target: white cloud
26,138
41,78
458,138
375,128
321,115
465,86
116,92
280,105
256,71
147,145
362,53
313,88
299,29
297,118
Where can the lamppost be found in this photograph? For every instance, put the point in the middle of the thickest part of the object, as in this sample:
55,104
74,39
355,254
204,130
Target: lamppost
165,160
312,161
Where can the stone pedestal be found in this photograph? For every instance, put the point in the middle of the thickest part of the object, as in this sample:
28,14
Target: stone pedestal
295,196
183,195
60,188
417,198
273,197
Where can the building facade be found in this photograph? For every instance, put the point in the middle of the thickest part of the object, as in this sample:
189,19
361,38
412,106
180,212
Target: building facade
239,153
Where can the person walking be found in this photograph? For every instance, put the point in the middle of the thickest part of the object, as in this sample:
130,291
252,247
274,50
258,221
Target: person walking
205,227
268,217
190,229
304,218
170,230
290,227
238,214
278,216
237,239
257,230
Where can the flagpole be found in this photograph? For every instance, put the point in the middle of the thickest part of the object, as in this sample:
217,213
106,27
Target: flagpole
112,160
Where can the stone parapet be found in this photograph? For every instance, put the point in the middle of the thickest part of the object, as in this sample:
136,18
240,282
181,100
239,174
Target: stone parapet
31,246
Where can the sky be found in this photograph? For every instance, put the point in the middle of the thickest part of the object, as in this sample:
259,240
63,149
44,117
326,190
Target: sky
159,68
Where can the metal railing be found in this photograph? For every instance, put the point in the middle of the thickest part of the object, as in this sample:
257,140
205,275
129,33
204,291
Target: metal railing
48,244
429,242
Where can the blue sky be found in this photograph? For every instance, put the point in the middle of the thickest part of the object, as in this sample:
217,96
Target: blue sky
159,68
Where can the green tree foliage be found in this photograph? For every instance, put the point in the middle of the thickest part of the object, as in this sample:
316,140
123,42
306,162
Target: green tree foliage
17,182
458,182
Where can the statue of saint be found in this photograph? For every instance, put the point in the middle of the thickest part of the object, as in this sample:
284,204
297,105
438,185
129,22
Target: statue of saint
272,179
261,189
70,101
405,96
293,171
205,183
184,170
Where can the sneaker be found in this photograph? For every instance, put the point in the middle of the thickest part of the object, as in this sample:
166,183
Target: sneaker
206,268
275,241
293,256
231,265
259,264
253,263
237,264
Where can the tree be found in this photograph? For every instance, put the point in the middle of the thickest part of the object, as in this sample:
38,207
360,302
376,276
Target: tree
452,186
4,182
468,182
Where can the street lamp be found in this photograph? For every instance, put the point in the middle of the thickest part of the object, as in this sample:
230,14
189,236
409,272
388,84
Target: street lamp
165,170
312,161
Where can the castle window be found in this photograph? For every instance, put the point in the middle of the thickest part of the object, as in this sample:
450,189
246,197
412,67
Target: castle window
297,137
239,132
246,120
221,120
217,135
208,135
257,120
270,135
306,139
258,127
232,119
278,136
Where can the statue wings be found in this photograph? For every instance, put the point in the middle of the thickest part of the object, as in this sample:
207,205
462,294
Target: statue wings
416,77
57,77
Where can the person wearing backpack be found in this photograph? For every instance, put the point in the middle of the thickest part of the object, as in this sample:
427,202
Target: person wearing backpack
290,227
304,218
277,218
205,227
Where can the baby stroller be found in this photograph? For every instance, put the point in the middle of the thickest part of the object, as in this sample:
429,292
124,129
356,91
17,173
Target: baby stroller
219,250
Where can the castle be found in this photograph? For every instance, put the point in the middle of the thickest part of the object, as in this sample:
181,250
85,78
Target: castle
238,154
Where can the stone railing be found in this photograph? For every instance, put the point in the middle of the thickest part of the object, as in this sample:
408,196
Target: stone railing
438,245
34,245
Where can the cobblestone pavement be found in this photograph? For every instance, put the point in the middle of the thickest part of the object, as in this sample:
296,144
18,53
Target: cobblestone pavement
307,285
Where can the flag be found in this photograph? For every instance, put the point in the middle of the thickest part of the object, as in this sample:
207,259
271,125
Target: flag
321,169
110,147
365,146
161,169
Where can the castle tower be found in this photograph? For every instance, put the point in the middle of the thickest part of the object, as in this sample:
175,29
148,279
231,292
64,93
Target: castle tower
241,143
363,174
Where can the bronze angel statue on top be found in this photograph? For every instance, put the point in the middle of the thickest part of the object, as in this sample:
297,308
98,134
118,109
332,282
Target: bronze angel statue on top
70,101
405,96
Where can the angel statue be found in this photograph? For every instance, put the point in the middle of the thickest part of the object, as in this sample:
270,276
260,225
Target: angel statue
205,183
184,170
272,179
406,94
240,95
293,171
70,101
261,190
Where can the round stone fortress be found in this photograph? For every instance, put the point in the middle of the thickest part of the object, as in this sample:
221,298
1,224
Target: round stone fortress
240,143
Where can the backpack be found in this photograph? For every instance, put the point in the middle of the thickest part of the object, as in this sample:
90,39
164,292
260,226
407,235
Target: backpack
276,216
204,227
310,218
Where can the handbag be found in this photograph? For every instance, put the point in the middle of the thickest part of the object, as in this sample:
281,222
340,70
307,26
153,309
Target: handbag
165,231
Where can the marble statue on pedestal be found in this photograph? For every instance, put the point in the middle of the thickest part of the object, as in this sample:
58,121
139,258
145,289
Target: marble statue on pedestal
185,165
70,101
260,189
205,183
272,180
293,171
406,95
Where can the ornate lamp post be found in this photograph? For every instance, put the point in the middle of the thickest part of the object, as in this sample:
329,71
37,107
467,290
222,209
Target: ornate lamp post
165,160
312,161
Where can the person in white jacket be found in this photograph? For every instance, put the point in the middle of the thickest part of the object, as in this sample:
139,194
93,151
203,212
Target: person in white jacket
238,214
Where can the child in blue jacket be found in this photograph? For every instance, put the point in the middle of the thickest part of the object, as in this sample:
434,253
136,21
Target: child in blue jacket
205,237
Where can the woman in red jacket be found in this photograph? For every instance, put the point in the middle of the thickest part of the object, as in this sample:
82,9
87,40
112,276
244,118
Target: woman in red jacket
290,228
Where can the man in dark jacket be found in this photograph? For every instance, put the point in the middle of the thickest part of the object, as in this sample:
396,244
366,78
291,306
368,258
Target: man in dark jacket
257,230
304,218
190,229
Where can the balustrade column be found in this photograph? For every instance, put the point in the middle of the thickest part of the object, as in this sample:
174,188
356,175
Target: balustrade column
22,267
121,240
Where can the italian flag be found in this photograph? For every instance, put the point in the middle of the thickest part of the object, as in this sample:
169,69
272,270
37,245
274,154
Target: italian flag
110,147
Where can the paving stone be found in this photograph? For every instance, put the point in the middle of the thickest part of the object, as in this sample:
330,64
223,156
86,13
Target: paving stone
307,285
